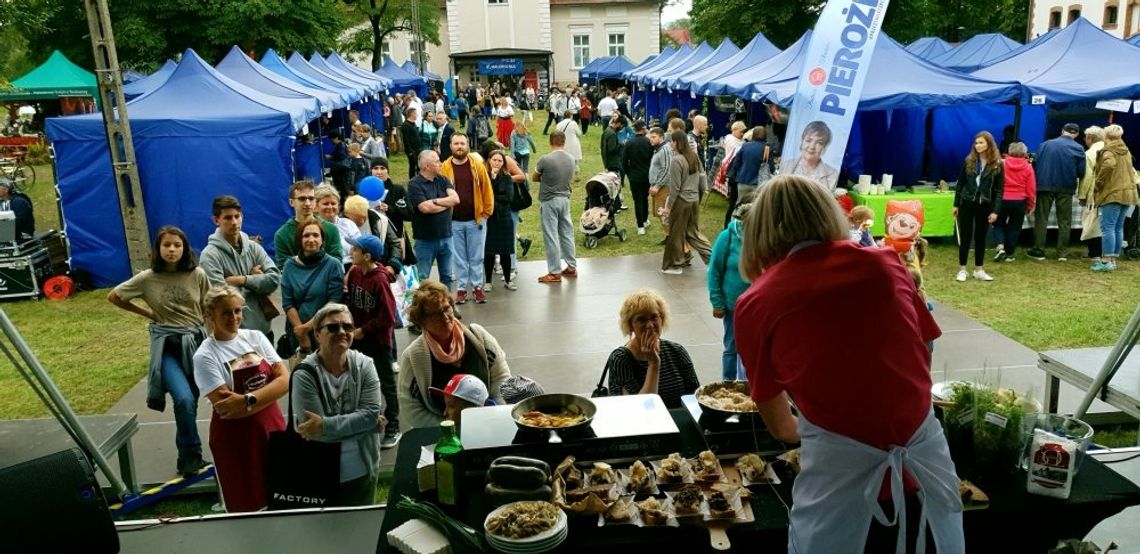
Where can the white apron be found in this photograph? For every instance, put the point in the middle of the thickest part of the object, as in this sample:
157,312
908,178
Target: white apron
837,491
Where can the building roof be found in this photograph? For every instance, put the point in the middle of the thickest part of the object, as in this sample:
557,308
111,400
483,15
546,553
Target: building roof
680,36
499,53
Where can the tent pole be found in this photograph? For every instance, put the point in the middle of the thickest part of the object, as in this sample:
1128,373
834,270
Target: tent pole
1017,118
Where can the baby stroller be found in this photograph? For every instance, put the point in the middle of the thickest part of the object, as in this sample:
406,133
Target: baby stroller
603,197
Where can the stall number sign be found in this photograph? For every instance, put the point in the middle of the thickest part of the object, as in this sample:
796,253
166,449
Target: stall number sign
1037,100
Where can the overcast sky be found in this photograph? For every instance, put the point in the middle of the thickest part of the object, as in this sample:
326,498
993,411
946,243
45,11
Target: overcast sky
675,10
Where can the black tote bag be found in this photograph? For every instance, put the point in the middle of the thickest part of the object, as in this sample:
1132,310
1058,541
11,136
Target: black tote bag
301,473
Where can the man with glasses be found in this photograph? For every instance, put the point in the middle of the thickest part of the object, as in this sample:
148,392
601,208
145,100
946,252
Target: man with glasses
303,199
431,198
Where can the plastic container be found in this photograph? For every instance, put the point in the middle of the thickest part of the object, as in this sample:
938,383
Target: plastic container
1063,426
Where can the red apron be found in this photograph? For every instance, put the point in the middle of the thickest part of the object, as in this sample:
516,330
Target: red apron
239,447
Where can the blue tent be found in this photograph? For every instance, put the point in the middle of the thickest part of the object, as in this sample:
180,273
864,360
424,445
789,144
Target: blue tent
412,68
130,76
649,78
978,52
1135,40
239,67
586,73
726,50
375,84
1078,63
142,86
335,61
402,81
302,66
929,47
614,69
274,63
649,64
776,68
199,135
757,50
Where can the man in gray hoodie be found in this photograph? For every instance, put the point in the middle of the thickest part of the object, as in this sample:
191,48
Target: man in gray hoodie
230,257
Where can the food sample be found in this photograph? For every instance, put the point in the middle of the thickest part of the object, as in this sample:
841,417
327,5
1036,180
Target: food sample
687,501
752,467
524,519
792,458
728,397
971,494
602,474
570,475
640,480
720,507
653,511
621,511
707,467
564,418
672,469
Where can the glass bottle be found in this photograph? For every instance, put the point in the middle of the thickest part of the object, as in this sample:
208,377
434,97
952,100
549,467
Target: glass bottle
448,465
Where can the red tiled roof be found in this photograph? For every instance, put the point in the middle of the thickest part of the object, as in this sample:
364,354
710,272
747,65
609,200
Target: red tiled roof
680,36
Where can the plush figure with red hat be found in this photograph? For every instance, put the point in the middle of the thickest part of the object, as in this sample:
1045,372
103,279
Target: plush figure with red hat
462,391
904,222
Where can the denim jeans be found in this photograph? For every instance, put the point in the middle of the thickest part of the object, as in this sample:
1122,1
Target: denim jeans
1112,229
557,233
467,240
523,161
514,244
435,250
185,407
731,368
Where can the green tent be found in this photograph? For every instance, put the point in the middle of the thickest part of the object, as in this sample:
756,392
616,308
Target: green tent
55,78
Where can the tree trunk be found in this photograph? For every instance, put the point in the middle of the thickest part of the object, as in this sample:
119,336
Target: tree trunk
377,42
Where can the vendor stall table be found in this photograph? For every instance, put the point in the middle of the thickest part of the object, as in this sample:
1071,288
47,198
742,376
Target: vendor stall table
938,207
1079,367
27,439
1014,522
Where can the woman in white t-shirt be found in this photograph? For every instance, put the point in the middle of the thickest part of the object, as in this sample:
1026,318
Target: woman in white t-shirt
504,115
243,377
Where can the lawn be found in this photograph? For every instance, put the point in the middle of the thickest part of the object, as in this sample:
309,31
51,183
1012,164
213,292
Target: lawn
96,353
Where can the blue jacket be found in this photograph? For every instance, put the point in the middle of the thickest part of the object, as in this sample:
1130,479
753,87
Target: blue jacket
725,283
1060,164
747,165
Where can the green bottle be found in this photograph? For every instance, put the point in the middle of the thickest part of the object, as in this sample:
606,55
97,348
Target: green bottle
448,465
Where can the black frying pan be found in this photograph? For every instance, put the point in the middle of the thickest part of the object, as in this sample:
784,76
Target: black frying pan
552,404
724,415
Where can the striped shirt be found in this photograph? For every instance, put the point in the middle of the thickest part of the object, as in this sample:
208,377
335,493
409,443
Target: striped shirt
675,379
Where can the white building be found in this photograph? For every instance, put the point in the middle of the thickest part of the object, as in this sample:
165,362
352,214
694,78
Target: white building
552,38
1120,18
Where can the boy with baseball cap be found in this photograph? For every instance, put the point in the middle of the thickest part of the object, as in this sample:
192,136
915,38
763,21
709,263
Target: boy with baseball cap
462,391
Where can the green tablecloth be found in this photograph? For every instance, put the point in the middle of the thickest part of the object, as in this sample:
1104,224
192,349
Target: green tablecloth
938,207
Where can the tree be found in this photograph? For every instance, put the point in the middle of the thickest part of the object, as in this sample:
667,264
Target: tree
782,21
384,17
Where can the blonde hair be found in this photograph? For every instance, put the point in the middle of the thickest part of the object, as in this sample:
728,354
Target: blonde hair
355,205
738,126
218,293
353,148
325,191
428,296
640,302
788,209
859,214
1113,131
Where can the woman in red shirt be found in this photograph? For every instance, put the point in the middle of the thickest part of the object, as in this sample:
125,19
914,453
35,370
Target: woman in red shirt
862,391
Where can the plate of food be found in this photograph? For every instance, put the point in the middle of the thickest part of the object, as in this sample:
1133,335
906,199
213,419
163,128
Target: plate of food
688,501
673,470
640,480
657,512
723,503
706,468
755,471
527,526
623,512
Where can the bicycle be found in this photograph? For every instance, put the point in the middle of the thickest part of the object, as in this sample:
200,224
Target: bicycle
16,170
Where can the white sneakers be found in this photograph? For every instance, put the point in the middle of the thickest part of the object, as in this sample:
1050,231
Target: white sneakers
979,274
672,271
641,230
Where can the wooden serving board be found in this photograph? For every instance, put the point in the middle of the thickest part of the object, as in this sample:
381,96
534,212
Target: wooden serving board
718,529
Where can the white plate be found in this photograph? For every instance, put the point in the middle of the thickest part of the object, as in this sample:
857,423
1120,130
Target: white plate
531,548
541,539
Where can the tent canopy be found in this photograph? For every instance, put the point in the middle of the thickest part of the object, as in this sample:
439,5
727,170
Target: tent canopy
55,78
679,60
588,71
302,66
275,64
1079,62
142,86
929,47
607,67
1135,41
402,81
756,51
899,79
649,64
130,76
976,53
337,62
374,84
239,67
738,82
726,50
412,68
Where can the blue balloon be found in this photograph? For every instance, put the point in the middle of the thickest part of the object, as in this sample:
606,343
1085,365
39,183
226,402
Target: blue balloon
371,187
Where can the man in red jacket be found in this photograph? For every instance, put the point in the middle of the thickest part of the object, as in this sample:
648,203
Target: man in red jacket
369,298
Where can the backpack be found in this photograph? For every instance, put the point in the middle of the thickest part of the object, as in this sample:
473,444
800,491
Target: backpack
482,130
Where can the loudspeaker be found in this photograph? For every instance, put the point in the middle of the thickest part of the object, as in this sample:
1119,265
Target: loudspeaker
55,504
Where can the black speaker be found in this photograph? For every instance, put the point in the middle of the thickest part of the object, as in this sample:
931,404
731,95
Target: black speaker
54,504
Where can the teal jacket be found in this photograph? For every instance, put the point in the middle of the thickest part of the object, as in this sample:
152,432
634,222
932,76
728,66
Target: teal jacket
724,280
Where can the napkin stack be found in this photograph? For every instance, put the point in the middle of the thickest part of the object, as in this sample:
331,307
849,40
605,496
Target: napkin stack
417,537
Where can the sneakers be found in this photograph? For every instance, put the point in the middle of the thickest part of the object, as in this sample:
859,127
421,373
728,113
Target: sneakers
191,465
981,275
570,271
511,286
1102,267
1008,259
480,298
1000,256
961,276
390,440
487,286
461,297
673,271
1037,254
641,230
550,278
525,244
1062,258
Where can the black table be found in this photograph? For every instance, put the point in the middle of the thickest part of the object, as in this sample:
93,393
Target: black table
1015,521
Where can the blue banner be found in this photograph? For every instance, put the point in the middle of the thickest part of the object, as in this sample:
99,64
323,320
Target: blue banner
829,87
501,66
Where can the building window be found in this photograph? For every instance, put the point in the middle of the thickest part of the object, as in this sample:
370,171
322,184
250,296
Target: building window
385,49
580,51
1074,13
1111,15
499,2
617,44
1054,18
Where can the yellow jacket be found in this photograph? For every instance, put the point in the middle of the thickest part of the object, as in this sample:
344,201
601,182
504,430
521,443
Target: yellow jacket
484,194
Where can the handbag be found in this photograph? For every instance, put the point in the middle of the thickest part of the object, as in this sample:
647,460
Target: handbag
269,307
601,391
1090,223
301,473
522,198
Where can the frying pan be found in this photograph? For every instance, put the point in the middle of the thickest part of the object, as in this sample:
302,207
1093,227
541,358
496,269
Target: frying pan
724,415
552,404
